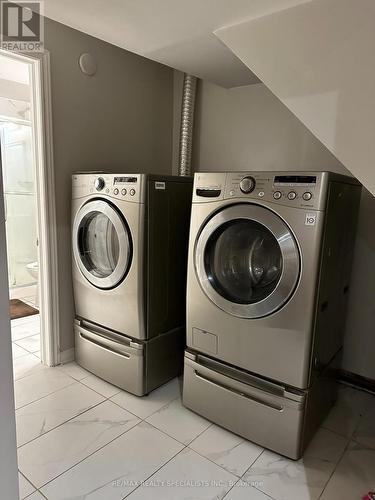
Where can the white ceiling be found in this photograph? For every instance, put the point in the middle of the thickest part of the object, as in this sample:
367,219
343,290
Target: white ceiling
178,34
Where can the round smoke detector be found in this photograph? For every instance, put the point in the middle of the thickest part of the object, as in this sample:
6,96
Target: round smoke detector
87,63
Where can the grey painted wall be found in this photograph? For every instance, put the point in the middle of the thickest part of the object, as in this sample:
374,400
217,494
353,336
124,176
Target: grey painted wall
120,120
247,128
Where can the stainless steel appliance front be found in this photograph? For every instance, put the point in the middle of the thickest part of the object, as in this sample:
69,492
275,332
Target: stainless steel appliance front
108,249
259,307
129,276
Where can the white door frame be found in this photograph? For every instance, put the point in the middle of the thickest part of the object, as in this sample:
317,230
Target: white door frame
46,207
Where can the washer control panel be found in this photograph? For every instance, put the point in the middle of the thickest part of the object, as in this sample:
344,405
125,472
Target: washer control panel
247,184
295,189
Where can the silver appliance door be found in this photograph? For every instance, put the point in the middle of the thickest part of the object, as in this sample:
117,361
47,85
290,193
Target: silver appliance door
247,260
102,244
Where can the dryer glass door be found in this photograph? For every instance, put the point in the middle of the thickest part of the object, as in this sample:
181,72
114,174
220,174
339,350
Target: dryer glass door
101,244
247,260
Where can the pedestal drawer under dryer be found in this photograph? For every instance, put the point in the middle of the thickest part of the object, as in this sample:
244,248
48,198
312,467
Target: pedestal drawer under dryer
113,357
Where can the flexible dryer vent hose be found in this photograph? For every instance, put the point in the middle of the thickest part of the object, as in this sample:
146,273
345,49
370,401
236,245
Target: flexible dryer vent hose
187,122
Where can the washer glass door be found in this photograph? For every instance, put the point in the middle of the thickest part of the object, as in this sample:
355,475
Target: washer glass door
247,260
101,244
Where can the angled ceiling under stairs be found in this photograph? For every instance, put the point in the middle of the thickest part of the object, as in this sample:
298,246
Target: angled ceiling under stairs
173,32
317,58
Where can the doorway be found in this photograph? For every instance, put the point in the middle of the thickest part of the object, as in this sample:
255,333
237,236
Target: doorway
28,192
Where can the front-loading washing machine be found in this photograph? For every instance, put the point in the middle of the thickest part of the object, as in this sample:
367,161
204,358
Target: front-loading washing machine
130,241
268,280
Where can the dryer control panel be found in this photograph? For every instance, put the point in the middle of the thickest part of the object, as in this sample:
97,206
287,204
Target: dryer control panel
127,187
305,190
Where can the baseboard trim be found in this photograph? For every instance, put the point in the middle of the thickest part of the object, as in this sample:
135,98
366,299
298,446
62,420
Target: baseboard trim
358,380
67,356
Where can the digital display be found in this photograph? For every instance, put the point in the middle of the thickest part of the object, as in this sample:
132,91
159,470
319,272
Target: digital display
295,179
124,180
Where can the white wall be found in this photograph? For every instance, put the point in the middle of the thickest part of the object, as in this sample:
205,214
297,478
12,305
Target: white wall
317,58
248,128
8,453
119,120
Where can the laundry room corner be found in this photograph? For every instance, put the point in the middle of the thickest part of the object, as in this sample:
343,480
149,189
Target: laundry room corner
187,213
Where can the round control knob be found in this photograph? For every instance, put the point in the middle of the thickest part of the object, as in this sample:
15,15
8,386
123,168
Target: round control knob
307,196
99,183
132,192
292,195
277,195
123,192
247,184
115,191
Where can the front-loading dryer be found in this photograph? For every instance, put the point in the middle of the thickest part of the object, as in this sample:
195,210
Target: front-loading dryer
130,240
268,280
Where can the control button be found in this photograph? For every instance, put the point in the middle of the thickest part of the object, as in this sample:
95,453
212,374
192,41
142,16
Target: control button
231,193
247,184
115,191
132,192
99,183
277,195
107,190
123,192
292,195
307,196
261,194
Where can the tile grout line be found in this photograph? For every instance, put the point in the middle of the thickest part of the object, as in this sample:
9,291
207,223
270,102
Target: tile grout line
93,453
29,374
171,437
148,416
32,484
350,440
247,470
239,477
264,493
157,470
42,397
140,421
334,469
23,338
65,422
20,340
27,352
135,425
251,486
104,400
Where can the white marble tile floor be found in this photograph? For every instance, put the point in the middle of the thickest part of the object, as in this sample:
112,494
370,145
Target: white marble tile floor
82,438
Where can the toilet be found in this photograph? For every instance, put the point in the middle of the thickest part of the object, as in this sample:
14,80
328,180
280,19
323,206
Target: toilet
33,270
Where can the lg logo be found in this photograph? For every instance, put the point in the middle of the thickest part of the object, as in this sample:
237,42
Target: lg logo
310,219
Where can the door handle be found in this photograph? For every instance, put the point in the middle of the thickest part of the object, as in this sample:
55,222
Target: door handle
256,399
105,343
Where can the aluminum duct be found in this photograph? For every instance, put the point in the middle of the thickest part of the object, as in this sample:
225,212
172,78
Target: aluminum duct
187,121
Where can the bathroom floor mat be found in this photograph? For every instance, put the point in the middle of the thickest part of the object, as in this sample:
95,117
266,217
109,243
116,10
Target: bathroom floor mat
19,309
